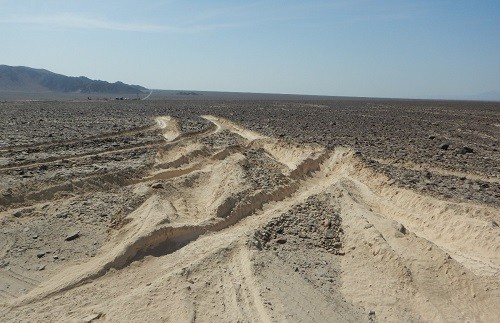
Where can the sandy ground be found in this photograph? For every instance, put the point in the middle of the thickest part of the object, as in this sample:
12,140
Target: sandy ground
230,225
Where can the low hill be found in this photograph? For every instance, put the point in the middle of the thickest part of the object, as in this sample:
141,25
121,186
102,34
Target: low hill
21,79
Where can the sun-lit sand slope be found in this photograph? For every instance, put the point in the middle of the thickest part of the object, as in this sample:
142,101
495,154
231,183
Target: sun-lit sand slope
230,225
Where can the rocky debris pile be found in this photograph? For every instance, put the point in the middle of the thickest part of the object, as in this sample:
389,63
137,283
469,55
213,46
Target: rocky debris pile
262,171
315,224
308,239
223,139
194,124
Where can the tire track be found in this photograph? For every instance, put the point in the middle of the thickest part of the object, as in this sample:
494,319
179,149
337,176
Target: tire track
76,141
409,266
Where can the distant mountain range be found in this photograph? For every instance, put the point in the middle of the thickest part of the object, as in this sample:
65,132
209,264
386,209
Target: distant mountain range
21,79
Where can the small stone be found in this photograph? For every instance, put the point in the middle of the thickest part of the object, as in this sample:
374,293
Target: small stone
444,146
17,214
281,240
62,215
157,185
40,254
466,150
92,317
329,234
40,268
72,236
401,228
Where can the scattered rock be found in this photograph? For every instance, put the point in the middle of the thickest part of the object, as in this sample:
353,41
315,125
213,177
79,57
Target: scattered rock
401,228
17,214
371,316
40,268
72,236
314,222
280,240
40,254
92,317
157,185
329,234
466,150
444,146
62,215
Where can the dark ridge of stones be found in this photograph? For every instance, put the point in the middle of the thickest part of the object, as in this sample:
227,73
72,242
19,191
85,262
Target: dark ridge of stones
315,223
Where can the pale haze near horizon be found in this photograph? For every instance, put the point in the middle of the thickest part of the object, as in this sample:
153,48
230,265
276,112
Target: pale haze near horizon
406,49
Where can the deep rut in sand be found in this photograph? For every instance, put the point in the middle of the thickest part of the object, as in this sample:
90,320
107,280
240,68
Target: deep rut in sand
205,196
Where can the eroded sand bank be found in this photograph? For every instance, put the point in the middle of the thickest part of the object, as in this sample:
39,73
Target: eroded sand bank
231,225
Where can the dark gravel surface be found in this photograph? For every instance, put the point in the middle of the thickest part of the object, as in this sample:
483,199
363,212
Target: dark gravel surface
31,123
262,171
441,147
412,130
452,148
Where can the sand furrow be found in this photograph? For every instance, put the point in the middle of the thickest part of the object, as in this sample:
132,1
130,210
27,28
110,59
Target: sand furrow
232,225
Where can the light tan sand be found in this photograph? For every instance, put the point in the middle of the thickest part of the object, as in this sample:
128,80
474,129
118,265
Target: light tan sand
169,127
186,253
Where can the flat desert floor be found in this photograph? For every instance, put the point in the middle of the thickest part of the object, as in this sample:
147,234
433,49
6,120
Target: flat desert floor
250,211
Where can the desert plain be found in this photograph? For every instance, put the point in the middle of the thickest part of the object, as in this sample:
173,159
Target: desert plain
338,210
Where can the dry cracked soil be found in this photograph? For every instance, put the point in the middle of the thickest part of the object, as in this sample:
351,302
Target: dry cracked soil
250,211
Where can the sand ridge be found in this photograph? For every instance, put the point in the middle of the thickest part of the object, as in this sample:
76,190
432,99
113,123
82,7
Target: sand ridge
189,249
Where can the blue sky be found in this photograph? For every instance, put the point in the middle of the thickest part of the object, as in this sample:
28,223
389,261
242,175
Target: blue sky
414,49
